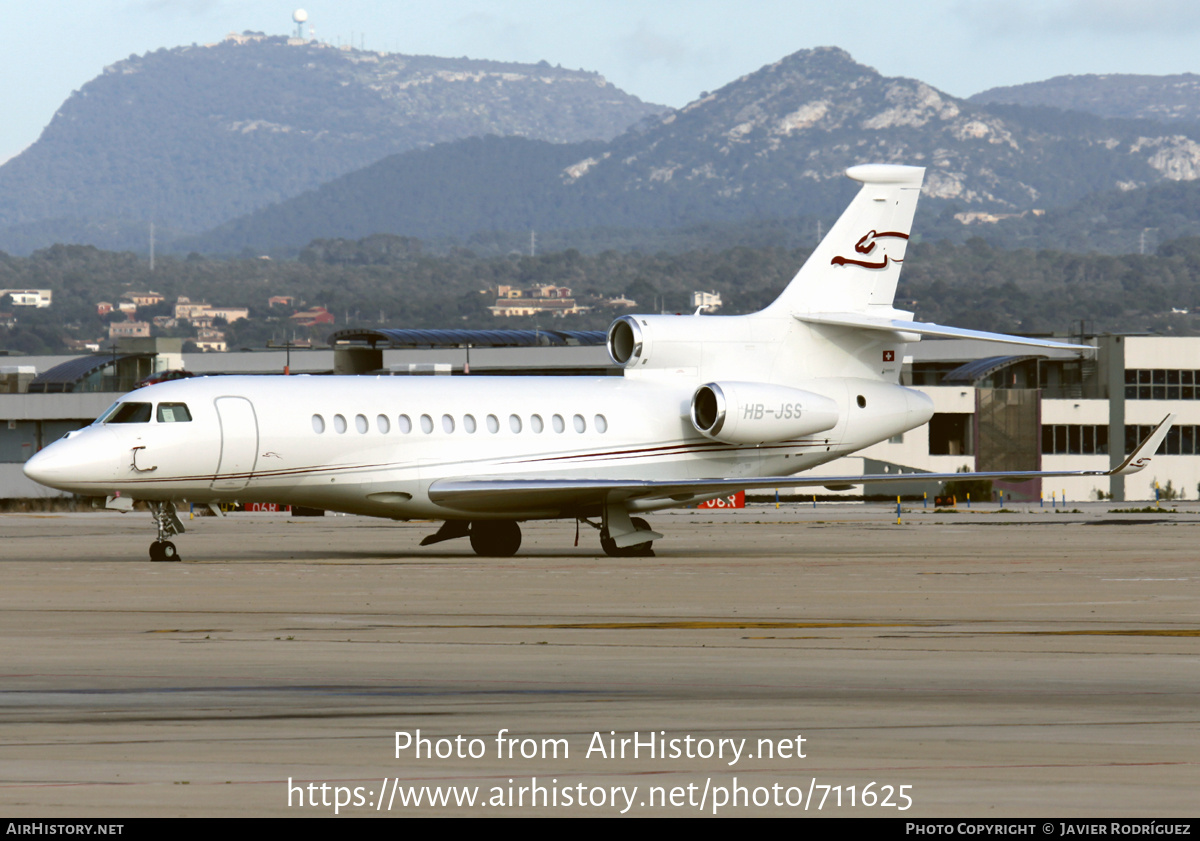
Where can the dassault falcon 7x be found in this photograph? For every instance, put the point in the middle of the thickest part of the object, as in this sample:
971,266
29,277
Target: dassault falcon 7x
708,405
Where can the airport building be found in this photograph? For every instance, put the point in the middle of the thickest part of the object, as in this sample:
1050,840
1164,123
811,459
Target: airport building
997,407
1001,407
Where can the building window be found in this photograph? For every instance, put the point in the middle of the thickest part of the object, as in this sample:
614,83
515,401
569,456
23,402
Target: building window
1162,384
1074,439
950,434
1181,440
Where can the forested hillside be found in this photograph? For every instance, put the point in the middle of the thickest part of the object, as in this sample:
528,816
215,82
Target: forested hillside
392,281
1169,99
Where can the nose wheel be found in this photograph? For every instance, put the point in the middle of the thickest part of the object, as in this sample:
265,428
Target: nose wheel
168,524
163,550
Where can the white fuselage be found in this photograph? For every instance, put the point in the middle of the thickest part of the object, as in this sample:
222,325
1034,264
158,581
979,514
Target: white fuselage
373,445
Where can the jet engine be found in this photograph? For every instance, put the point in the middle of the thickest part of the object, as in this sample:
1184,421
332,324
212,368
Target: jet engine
759,413
639,342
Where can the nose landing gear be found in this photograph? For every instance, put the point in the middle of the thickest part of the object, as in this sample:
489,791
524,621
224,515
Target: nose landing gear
168,524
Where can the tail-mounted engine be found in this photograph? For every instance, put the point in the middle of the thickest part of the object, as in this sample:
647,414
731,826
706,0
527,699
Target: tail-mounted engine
759,413
641,342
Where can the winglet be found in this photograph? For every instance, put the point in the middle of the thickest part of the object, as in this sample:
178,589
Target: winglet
1143,452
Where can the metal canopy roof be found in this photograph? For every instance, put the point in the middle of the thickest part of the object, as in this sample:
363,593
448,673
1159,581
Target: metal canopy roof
474,338
977,369
66,375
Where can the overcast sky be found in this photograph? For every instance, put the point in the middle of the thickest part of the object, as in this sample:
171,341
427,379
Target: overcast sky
664,51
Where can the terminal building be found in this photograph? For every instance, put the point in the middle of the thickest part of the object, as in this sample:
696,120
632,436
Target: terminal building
997,407
1055,410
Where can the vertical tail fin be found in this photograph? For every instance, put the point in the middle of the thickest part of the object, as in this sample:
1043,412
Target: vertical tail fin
856,266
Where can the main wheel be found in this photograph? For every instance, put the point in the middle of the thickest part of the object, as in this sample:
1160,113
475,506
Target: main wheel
639,550
495,538
163,551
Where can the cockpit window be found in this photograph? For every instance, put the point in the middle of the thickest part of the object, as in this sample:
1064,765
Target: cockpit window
173,413
129,413
107,413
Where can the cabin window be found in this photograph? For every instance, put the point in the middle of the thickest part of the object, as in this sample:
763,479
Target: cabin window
535,423
447,423
601,423
404,424
559,424
173,413
469,423
130,413
493,423
580,424
426,424
339,424
361,424
514,423
384,425
318,423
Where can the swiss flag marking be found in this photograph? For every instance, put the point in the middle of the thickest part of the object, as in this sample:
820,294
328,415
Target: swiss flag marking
889,356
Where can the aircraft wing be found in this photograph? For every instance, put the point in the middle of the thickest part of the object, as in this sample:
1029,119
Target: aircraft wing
482,495
924,328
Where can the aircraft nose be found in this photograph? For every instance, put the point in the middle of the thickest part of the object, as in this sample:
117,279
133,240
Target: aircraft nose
74,464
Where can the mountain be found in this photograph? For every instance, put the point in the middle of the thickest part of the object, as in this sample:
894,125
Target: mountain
1169,99
771,145
192,136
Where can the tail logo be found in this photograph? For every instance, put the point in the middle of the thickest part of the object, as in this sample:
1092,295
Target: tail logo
865,246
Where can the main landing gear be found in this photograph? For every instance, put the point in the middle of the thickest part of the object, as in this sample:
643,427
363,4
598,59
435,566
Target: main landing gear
638,550
489,538
621,536
495,538
168,524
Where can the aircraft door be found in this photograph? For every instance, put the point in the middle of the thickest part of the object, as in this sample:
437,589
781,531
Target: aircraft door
239,443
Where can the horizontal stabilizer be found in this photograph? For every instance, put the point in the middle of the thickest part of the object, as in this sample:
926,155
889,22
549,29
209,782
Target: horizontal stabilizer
565,495
923,328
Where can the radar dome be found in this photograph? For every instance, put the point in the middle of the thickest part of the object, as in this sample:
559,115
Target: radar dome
299,16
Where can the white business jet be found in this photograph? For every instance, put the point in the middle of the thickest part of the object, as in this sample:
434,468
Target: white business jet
708,405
